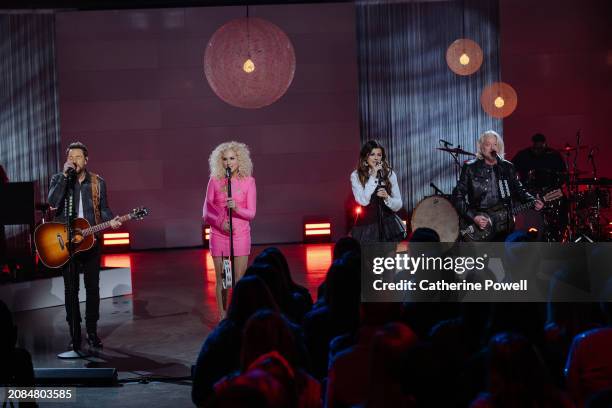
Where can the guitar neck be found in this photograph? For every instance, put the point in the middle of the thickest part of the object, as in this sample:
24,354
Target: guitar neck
105,225
522,207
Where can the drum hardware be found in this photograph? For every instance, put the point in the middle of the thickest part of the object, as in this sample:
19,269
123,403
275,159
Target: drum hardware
439,214
455,152
569,148
437,190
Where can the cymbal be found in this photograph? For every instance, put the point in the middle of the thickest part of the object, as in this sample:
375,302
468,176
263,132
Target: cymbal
567,148
455,150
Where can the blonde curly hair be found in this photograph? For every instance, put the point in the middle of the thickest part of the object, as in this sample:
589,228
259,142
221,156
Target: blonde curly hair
498,139
245,165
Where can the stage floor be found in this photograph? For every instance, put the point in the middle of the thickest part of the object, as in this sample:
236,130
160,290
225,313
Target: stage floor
159,329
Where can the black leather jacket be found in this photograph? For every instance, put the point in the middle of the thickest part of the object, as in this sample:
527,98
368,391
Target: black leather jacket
474,183
56,198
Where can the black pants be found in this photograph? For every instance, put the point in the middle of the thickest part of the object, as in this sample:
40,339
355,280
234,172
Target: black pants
87,263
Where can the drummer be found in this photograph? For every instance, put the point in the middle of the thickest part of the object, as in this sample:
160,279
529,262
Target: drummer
539,166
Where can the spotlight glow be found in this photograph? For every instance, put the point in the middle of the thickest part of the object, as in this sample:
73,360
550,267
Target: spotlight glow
499,102
248,66
464,59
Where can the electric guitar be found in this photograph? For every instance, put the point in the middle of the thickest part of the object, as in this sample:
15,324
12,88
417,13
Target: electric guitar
51,238
501,220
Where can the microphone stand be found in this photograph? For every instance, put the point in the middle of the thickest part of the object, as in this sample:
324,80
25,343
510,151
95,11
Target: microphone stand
72,301
437,191
228,175
379,201
596,210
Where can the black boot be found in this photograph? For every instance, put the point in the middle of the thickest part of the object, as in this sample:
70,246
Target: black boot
93,340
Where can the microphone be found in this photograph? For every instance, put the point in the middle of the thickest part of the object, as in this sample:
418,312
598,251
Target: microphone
71,171
228,172
494,154
380,175
446,144
380,172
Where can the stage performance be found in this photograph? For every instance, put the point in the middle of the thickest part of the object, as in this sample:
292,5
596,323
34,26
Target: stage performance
206,203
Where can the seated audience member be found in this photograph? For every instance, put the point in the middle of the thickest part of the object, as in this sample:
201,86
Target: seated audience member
301,298
220,353
458,342
348,377
564,321
340,315
15,363
268,382
268,331
279,288
589,363
344,245
517,376
388,361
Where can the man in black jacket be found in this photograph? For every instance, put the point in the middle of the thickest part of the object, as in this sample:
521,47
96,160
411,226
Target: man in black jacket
487,182
84,206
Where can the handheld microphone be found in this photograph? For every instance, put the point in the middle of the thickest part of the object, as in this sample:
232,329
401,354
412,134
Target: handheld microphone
71,171
494,154
228,176
591,154
446,144
380,172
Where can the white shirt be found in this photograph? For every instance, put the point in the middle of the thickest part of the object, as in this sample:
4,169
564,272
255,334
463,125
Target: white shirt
363,194
81,205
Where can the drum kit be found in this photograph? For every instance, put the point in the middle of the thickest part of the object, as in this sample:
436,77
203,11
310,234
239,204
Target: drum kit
577,216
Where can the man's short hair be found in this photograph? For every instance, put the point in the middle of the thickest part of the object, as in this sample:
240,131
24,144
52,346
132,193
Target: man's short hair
77,145
538,138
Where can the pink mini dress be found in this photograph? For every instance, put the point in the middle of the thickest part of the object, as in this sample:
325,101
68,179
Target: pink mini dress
214,213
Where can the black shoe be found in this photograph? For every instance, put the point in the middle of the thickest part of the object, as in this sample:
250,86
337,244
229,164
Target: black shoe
93,340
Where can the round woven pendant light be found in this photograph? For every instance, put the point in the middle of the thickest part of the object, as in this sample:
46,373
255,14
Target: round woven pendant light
464,56
249,62
499,99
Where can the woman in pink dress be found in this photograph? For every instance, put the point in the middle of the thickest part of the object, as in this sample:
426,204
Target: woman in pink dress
215,212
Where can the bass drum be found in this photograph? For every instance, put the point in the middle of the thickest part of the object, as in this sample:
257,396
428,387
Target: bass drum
439,214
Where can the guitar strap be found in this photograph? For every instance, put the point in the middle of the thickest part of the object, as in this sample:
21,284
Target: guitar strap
95,195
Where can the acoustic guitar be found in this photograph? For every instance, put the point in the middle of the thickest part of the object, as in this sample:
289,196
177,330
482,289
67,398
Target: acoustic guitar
501,220
51,238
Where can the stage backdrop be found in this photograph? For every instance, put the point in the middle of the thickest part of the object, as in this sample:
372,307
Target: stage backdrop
132,87
408,97
558,56
29,126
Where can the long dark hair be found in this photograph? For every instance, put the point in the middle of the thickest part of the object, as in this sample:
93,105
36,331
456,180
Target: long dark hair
250,295
363,170
267,331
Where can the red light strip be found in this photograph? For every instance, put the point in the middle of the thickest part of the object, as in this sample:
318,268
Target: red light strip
317,226
116,242
318,232
117,235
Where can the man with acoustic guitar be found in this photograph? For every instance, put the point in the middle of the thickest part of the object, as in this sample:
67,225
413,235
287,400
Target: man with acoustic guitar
90,203
487,188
